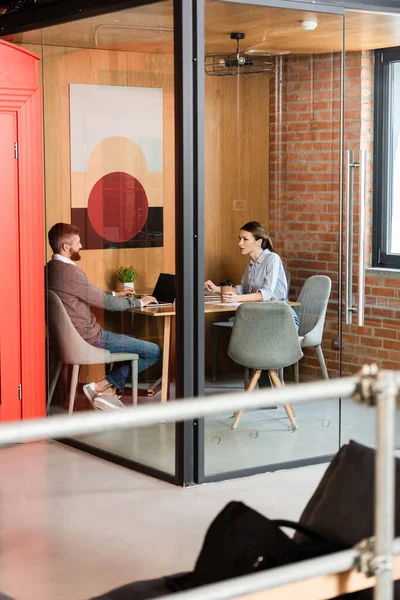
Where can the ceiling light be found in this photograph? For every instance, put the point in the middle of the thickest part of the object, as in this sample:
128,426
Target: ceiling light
266,51
238,63
309,24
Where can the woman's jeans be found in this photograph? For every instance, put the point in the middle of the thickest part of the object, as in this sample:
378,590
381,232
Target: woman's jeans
148,352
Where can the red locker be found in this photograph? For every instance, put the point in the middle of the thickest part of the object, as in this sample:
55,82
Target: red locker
22,320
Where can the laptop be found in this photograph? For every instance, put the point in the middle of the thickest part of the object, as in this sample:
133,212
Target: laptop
164,292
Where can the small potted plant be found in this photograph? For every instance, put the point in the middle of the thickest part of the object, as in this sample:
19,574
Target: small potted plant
127,276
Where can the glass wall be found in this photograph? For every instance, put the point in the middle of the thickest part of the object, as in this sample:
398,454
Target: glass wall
371,314
283,106
108,115
272,127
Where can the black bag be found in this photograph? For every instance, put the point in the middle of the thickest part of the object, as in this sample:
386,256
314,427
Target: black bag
241,541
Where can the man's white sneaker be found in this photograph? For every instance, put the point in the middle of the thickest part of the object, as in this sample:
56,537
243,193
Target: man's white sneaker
89,391
108,402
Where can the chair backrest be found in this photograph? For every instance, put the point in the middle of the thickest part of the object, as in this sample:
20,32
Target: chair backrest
69,345
313,297
264,336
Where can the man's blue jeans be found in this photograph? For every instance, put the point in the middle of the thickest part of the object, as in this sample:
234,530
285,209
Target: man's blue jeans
148,352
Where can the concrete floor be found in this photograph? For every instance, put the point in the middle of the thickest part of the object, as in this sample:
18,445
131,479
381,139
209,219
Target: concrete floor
73,526
264,437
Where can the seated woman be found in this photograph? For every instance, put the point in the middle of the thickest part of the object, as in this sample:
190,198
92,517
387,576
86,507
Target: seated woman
264,277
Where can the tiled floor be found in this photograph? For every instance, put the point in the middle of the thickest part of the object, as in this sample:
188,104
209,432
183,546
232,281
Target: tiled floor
73,526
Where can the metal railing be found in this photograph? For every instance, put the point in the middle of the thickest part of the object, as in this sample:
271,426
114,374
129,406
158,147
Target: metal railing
373,557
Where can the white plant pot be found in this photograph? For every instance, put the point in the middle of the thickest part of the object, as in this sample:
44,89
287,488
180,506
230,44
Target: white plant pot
128,284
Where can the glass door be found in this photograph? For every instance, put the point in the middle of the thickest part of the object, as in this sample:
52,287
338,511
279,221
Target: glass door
273,141
371,166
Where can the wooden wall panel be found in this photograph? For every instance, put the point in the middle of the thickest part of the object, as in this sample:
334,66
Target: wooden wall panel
237,177
237,157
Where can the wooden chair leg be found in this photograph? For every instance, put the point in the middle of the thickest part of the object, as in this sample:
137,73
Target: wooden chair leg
74,384
250,388
277,383
280,374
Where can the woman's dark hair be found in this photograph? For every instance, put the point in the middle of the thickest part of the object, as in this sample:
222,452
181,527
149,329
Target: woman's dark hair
258,231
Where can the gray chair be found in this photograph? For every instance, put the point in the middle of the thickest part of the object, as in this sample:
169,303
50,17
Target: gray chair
71,349
313,297
226,326
264,338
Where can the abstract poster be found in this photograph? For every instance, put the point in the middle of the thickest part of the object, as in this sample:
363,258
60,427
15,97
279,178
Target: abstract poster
117,165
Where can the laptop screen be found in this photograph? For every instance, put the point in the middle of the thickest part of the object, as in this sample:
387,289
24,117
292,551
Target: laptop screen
165,288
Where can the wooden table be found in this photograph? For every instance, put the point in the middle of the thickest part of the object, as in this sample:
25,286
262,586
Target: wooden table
167,312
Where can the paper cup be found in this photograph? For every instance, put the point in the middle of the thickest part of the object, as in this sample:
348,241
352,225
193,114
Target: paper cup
224,289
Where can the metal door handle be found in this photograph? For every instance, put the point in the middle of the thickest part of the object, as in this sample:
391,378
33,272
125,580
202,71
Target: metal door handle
351,165
361,237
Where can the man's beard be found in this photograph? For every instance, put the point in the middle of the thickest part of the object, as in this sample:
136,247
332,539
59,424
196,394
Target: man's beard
75,256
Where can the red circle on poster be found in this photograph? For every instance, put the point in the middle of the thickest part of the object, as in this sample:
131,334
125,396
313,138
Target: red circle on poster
118,207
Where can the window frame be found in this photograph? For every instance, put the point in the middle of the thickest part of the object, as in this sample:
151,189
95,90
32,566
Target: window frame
383,110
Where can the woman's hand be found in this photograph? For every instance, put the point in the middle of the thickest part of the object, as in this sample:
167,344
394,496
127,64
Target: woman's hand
232,297
209,286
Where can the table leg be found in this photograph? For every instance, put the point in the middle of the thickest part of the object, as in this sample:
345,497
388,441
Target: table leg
165,364
164,379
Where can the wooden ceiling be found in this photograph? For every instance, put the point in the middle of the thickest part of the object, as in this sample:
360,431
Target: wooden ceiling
273,30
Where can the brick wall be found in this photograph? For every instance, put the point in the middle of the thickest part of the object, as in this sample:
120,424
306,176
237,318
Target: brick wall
304,196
